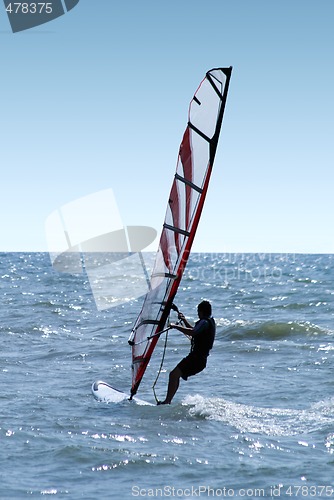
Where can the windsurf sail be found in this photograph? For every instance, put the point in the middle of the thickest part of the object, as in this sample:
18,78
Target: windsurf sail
195,161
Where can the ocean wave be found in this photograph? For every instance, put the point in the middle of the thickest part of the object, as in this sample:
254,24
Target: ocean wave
272,330
257,420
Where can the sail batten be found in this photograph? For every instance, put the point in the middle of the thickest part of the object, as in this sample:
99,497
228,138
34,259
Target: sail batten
176,229
193,171
188,183
199,132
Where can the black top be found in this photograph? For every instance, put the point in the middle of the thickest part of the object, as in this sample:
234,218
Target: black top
203,336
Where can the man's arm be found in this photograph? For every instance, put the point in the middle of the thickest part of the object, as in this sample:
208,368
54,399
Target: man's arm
184,320
183,329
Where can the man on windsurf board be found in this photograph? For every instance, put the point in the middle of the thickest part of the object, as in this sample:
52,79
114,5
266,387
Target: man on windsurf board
202,336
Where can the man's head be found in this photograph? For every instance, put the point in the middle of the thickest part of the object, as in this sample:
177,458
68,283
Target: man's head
204,309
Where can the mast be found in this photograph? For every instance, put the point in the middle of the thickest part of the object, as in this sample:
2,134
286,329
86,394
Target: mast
186,200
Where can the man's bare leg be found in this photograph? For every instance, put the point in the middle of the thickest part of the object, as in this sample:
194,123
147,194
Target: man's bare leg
173,385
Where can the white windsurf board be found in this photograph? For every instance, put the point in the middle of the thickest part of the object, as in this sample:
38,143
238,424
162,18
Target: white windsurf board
102,391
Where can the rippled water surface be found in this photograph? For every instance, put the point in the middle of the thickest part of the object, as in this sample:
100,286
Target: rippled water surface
260,417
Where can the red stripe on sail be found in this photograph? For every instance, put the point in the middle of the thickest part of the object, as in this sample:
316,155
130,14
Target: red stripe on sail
174,204
186,159
165,250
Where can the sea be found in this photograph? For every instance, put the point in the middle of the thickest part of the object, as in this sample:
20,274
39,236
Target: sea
258,422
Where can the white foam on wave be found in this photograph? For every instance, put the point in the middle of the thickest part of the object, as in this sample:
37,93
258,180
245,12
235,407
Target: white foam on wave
268,421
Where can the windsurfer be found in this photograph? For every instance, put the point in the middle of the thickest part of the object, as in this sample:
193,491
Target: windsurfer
202,337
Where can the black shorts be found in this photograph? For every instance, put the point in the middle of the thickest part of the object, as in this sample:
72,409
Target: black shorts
191,365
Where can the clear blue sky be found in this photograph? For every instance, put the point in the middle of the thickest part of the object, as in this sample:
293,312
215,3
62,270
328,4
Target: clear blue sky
99,97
